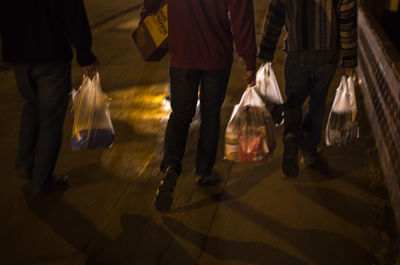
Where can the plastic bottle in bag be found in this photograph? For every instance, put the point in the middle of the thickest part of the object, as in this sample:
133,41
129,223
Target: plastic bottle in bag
232,137
249,135
253,142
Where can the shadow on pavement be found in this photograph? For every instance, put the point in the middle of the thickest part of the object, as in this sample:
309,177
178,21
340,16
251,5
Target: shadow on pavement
221,249
344,206
142,240
87,175
321,171
323,248
236,186
351,209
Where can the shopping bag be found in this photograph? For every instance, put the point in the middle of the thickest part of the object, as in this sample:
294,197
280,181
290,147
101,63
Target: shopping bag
249,135
92,126
268,89
342,127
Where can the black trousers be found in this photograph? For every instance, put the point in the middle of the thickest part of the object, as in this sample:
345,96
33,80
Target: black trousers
184,95
304,82
45,89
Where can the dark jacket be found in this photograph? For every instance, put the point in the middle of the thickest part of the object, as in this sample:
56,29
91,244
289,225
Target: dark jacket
41,31
318,31
202,32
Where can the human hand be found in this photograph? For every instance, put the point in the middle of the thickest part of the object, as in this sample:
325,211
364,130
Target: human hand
250,77
348,72
91,69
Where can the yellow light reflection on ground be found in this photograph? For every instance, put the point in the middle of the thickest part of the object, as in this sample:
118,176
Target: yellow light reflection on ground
142,107
139,116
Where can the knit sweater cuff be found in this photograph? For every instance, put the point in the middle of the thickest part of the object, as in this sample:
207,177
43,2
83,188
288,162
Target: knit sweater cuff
349,61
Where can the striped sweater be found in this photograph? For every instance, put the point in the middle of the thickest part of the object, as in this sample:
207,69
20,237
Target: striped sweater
318,31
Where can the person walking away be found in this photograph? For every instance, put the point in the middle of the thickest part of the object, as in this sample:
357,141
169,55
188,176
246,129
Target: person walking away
319,34
200,38
36,41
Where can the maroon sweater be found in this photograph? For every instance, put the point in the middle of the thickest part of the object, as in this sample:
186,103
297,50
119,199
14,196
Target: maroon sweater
201,32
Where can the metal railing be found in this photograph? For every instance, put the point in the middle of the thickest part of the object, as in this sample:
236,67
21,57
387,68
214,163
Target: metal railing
379,78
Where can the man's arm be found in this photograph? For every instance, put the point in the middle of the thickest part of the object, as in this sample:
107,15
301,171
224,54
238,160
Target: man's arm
78,31
348,34
243,30
274,21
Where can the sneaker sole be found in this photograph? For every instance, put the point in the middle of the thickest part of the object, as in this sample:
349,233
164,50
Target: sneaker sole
165,192
208,182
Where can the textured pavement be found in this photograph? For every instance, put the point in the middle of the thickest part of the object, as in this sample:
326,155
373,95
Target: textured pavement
334,214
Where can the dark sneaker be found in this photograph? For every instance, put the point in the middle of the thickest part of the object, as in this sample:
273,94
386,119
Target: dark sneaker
321,165
165,192
60,185
208,180
308,159
308,151
290,163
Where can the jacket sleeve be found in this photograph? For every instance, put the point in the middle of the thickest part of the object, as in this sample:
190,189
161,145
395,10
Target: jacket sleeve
148,7
348,33
243,30
274,21
78,31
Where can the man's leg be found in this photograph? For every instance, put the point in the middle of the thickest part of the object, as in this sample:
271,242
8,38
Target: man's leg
54,84
29,125
212,96
297,90
184,89
312,126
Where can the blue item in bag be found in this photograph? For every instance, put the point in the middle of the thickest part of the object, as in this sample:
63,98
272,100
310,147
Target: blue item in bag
99,138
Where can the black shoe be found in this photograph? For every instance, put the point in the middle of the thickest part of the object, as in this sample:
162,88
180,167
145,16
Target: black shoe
308,159
290,163
308,151
59,185
209,180
165,192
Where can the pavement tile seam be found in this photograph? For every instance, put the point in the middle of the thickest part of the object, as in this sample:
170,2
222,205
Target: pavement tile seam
269,238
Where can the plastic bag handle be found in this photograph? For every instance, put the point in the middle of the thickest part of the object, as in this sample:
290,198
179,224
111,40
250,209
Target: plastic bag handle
268,68
251,93
349,88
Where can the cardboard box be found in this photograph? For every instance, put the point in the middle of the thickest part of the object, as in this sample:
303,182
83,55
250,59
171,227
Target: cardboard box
151,36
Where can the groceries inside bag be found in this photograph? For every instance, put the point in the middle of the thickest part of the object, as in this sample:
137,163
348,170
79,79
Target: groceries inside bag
342,127
249,135
268,89
92,126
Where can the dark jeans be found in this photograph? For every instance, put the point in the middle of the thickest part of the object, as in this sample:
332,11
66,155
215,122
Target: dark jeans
303,82
184,94
45,89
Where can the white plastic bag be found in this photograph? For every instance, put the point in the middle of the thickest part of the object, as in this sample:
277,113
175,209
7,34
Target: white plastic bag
342,126
249,135
268,89
92,126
